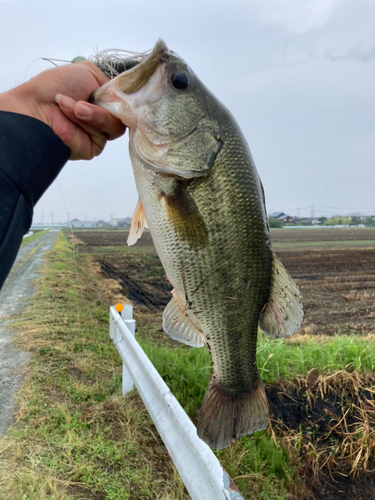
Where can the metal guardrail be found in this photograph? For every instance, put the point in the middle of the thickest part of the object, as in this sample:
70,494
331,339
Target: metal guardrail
200,470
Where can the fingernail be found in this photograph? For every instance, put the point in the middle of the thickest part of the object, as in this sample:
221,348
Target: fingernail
83,111
64,101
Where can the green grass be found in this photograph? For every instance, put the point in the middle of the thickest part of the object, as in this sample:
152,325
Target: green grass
287,359
78,438
187,371
37,233
116,250
291,245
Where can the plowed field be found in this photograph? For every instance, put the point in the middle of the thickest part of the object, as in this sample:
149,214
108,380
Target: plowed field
338,288
334,269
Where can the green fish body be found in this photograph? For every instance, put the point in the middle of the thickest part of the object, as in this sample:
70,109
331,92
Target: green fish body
202,199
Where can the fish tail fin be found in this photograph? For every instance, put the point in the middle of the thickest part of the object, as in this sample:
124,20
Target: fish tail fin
225,417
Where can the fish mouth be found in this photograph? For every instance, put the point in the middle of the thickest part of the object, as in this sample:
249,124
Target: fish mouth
131,81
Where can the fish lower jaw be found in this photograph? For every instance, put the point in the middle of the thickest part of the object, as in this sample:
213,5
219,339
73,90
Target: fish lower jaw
121,110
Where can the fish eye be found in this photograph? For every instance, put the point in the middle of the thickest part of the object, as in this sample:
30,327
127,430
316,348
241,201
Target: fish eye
180,81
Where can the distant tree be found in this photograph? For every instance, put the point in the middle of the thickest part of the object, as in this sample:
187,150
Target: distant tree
370,221
355,221
275,222
322,220
337,221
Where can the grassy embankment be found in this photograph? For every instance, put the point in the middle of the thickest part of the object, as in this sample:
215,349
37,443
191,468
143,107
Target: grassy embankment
77,438
37,233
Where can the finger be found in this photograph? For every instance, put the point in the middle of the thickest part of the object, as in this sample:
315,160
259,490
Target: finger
96,136
101,78
93,119
84,141
67,105
100,119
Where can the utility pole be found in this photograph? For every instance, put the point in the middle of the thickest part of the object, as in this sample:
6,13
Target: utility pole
298,212
52,218
312,211
42,219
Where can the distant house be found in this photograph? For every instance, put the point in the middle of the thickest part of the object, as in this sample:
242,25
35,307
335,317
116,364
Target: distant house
101,223
358,215
310,220
281,216
82,223
120,222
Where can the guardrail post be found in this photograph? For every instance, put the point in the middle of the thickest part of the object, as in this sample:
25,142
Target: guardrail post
127,381
126,313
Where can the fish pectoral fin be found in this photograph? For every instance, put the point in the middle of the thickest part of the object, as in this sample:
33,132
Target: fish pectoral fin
226,416
185,217
283,313
178,325
137,225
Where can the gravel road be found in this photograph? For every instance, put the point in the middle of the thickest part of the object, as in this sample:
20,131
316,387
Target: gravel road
14,297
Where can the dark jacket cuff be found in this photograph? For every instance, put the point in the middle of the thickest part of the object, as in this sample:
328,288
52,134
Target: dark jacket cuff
31,157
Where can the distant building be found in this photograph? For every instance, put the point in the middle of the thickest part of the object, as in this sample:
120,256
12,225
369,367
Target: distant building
310,220
358,215
81,223
101,223
275,215
281,216
120,222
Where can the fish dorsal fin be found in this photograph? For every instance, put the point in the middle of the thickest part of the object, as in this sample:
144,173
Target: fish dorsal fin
284,312
178,325
137,225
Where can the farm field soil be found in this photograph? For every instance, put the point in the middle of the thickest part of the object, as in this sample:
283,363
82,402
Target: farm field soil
323,236
337,284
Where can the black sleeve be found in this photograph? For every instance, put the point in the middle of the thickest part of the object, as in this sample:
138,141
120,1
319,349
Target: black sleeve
31,156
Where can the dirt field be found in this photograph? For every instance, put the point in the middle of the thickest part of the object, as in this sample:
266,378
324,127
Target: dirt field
323,235
337,283
92,238
338,288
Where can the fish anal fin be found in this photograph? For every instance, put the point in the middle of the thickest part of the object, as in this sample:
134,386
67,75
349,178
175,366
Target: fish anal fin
177,324
225,417
185,217
138,224
283,314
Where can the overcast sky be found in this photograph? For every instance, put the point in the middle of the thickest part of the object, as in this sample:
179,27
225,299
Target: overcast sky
298,75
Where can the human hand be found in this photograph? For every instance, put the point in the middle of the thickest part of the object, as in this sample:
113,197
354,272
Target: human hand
58,98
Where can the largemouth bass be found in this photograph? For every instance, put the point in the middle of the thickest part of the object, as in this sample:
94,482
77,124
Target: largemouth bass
202,199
